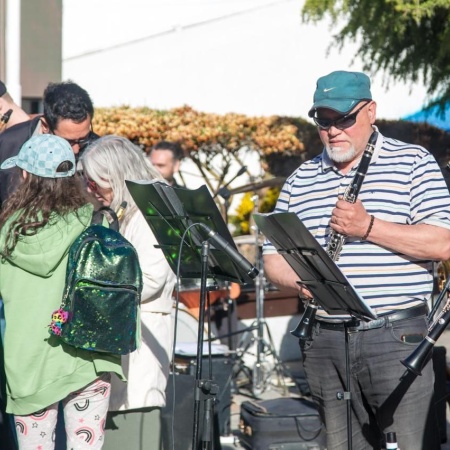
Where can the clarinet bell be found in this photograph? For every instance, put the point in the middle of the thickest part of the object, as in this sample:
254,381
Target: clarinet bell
304,328
419,358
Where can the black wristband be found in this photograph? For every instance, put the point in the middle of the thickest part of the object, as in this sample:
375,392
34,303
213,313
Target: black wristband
372,218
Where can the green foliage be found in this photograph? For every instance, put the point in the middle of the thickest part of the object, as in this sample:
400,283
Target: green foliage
409,40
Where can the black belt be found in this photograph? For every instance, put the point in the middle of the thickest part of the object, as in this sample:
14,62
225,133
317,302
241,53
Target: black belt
358,325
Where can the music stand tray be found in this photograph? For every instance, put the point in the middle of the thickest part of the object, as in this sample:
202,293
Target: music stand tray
314,267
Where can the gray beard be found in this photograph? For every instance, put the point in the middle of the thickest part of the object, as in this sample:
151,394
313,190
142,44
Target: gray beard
336,155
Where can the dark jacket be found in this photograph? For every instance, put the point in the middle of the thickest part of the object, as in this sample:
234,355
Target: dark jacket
11,141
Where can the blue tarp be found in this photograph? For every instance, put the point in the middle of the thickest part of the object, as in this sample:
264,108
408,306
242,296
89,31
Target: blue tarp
433,117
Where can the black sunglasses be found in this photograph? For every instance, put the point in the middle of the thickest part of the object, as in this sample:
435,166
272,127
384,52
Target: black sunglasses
82,142
342,123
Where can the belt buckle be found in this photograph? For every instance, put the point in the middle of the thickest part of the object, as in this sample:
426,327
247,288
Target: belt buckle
353,326
377,323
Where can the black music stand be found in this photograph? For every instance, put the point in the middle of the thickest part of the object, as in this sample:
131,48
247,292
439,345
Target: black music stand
180,216
319,273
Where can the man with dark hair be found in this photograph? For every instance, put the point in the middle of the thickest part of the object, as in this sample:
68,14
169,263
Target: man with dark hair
166,157
68,113
10,112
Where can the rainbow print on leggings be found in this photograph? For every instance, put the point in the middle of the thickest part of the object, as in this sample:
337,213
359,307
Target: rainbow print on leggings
80,406
87,434
40,415
21,427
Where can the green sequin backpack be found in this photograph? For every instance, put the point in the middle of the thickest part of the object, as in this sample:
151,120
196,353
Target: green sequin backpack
102,294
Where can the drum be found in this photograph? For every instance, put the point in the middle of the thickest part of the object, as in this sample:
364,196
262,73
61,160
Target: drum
187,325
190,293
186,340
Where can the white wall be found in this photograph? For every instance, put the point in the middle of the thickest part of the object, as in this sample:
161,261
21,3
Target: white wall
254,57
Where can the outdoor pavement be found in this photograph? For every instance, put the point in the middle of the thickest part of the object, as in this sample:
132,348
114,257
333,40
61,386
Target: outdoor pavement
274,390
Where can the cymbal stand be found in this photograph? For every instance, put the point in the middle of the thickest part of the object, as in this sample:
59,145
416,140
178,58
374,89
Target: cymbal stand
258,376
261,369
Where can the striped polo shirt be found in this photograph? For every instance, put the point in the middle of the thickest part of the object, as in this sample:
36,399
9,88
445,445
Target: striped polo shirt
404,185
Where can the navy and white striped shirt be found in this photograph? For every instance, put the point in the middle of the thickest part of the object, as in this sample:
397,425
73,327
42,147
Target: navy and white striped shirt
403,185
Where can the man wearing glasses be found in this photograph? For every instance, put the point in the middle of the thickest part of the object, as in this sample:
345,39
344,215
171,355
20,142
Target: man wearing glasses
68,113
398,225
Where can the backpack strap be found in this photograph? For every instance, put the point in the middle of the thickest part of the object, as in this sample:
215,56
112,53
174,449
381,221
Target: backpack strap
111,217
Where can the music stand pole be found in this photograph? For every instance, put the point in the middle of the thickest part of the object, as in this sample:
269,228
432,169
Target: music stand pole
205,390
346,395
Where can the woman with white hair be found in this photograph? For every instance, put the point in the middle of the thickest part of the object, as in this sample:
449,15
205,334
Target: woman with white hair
134,417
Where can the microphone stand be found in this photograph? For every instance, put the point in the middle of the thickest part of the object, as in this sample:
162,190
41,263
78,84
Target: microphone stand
226,194
205,390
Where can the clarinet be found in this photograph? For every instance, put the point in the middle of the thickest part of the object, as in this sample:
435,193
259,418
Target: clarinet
337,240
420,356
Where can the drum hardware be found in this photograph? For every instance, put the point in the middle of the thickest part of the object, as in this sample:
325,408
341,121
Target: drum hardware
252,346
270,182
261,370
189,293
225,193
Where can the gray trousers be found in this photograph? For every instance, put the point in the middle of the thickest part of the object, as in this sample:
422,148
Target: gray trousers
384,396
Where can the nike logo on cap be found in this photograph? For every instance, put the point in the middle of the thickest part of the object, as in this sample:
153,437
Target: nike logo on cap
329,89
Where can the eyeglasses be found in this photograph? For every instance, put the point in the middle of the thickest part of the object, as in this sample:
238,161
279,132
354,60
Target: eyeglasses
82,143
91,184
342,123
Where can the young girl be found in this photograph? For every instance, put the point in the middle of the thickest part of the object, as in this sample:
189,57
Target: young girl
38,224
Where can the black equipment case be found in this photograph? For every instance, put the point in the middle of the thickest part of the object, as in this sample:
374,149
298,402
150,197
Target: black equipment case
281,424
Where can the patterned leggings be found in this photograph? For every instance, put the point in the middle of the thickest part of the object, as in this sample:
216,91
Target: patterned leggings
84,417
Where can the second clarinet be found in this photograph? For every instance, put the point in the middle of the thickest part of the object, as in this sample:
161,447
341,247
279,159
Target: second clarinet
336,242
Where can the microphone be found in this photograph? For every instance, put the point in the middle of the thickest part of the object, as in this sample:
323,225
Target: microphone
222,244
5,117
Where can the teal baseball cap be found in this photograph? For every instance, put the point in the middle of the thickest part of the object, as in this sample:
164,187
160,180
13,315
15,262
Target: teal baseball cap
341,91
41,155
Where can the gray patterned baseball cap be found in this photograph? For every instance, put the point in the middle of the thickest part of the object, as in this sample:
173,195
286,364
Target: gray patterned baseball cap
41,155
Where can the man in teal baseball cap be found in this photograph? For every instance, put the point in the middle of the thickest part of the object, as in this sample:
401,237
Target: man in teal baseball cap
381,210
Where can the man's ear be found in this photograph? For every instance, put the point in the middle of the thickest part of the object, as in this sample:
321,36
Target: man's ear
44,126
372,110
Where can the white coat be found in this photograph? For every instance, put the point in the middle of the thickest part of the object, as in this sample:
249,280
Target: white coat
147,368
